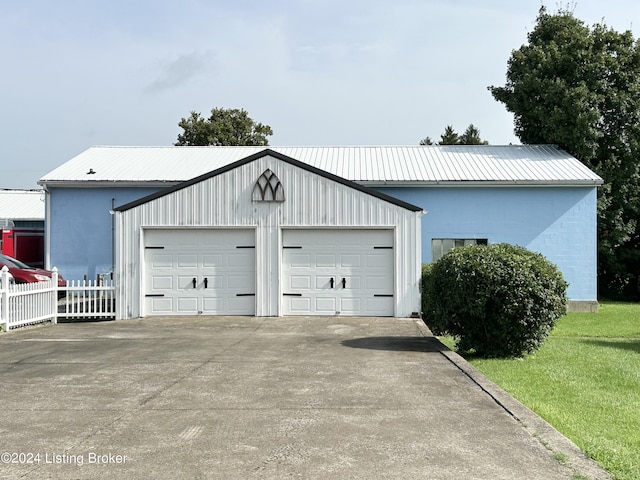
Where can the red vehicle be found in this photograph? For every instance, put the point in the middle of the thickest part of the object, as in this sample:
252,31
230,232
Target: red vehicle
23,273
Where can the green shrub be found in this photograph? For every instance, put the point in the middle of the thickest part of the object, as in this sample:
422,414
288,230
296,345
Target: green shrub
497,300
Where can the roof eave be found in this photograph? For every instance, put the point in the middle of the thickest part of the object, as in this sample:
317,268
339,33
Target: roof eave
483,183
367,183
108,183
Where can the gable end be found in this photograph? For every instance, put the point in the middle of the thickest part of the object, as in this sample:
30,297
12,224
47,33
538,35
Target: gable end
279,156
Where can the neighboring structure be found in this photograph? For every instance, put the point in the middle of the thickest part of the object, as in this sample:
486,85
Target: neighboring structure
22,225
535,196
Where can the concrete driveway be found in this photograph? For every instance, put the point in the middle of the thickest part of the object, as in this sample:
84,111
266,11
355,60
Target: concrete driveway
238,398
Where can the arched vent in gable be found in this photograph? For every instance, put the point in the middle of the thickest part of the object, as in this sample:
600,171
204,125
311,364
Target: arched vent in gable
268,188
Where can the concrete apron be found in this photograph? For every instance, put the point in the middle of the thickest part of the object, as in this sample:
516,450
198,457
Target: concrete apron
244,397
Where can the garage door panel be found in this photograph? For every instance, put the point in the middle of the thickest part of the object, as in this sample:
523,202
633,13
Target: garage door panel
377,284
238,305
353,260
348,237
243,259
187,261
379,259
187,304
185,282
161,260
238,284
324,260
298,305
213,304
323,282
244,237
298,260
352,283
350,305
212,260
299,282
162,305
215,282
174,257
162,282
326,305
376,305
350,254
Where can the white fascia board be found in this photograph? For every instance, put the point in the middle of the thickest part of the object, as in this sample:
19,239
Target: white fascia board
108,183
488,183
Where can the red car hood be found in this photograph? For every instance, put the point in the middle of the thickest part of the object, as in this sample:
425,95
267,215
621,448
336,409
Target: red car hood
20,273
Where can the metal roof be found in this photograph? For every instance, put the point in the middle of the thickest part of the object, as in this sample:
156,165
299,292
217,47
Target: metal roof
22,204
281,157
372,165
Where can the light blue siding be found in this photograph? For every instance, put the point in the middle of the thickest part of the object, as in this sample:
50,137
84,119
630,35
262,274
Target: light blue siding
80,228
559,222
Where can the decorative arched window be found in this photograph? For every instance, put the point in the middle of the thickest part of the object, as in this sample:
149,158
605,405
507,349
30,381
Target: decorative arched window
268,188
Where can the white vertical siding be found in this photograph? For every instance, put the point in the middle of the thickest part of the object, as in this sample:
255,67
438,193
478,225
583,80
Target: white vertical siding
311,200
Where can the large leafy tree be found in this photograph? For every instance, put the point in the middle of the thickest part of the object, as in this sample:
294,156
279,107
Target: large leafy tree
223,127
471,136
579,87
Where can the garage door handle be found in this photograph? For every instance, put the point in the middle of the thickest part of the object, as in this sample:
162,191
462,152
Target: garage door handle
344,282
206,282
331,282
194,282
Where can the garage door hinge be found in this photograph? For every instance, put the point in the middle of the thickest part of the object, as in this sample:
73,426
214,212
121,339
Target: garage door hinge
154,295
383,248
245,246
292,294
382,295
245,294
154,248
291,246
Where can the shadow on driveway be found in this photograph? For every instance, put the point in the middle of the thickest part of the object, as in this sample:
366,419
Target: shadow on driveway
397,344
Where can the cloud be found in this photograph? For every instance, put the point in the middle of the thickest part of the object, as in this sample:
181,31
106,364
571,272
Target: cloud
181,70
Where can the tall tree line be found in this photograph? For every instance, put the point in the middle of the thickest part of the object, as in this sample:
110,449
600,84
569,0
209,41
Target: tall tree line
579,87
471,136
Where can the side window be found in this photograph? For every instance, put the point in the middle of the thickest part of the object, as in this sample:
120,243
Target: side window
440,246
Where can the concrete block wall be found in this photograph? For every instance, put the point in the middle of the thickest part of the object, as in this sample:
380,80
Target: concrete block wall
559,222
79,228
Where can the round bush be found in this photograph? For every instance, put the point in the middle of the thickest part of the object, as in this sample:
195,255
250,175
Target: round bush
497,300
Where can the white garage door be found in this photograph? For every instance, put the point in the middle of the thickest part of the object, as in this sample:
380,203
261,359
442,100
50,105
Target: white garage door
338,272
194,271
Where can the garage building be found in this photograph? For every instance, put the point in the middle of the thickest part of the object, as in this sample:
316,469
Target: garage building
536,196
268,235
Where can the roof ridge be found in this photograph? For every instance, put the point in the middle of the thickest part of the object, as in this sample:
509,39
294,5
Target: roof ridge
322,146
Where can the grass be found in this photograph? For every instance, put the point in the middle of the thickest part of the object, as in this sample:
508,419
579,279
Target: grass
585,381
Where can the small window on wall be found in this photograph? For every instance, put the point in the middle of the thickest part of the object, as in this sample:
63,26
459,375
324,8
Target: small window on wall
440,246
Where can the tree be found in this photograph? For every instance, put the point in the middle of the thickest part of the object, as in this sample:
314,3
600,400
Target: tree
579,88
223,127
449,137
471,136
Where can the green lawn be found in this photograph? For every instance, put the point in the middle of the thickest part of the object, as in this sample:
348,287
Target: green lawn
585,381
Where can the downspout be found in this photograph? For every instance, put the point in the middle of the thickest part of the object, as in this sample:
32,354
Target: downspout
113,237
47,227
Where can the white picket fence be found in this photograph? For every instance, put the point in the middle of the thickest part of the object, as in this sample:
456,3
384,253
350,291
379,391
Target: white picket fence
31,303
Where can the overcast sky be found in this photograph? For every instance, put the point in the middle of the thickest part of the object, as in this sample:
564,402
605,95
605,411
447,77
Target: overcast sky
77,73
